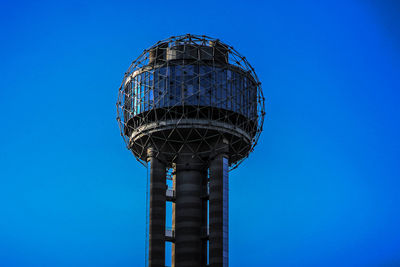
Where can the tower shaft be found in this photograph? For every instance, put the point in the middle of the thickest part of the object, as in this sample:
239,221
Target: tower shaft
156,242
199,211
188,213
219,211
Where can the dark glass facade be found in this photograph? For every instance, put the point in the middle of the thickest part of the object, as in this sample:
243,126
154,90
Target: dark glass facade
193,85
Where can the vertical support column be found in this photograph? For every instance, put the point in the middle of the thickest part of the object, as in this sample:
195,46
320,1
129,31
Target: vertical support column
173,218
204,218
219,209
157,210
188,213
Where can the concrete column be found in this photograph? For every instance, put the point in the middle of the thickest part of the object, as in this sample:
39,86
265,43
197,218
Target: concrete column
218,220
204,219
157,210
173,220
188,213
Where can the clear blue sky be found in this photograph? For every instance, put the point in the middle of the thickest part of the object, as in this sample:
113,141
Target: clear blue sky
321,188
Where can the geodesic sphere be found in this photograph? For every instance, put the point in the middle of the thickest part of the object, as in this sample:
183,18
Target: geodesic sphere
186,94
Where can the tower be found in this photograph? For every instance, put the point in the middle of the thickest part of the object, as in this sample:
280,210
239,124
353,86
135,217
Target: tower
190,108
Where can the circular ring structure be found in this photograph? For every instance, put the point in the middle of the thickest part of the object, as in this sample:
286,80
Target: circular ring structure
185,95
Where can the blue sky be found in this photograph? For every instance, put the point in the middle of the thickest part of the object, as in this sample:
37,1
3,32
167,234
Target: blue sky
320,189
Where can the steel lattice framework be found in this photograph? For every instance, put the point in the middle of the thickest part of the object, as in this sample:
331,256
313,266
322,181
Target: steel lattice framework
187,93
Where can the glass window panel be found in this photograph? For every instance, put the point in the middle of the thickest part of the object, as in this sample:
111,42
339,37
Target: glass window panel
240,95
205,84
141,93
245,96
151,98
196,79
170,85
178,85
189,85
157,88
236,99
254,101
156,96
137,94
145,91
229,88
